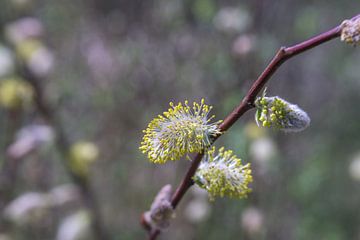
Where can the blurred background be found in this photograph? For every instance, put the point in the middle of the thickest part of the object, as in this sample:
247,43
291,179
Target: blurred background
108,67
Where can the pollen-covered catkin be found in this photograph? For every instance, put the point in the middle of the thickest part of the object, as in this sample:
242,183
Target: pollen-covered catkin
179,131
277,113
223,174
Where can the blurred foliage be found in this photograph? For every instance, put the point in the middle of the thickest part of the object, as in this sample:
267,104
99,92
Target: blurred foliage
119,63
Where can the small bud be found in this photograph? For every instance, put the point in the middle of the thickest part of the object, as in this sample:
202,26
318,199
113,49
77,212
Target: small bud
82,154
179,131
161,211
223,175
15,93
350,31
278,113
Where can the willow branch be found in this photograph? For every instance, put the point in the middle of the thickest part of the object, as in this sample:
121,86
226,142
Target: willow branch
247,103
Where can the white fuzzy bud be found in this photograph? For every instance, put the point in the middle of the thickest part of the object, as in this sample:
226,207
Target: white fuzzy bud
278,113
161,211
350,31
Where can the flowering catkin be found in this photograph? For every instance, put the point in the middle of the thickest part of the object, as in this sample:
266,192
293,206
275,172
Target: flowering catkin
223,174
179,131
278,113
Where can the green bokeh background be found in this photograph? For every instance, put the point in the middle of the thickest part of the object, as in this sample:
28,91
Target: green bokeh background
120,62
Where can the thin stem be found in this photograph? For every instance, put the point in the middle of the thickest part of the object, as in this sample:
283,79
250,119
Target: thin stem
187,181
247,103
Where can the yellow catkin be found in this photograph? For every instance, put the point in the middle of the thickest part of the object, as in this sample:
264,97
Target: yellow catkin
182,129
277,113
223,174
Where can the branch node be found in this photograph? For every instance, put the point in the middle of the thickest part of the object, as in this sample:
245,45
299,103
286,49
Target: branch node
250,104
283,51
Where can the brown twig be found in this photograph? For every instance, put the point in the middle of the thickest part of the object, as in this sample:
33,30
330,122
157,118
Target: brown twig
63,145
247,103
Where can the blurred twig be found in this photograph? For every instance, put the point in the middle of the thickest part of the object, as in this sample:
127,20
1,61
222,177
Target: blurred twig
63,146
247,103
9,167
